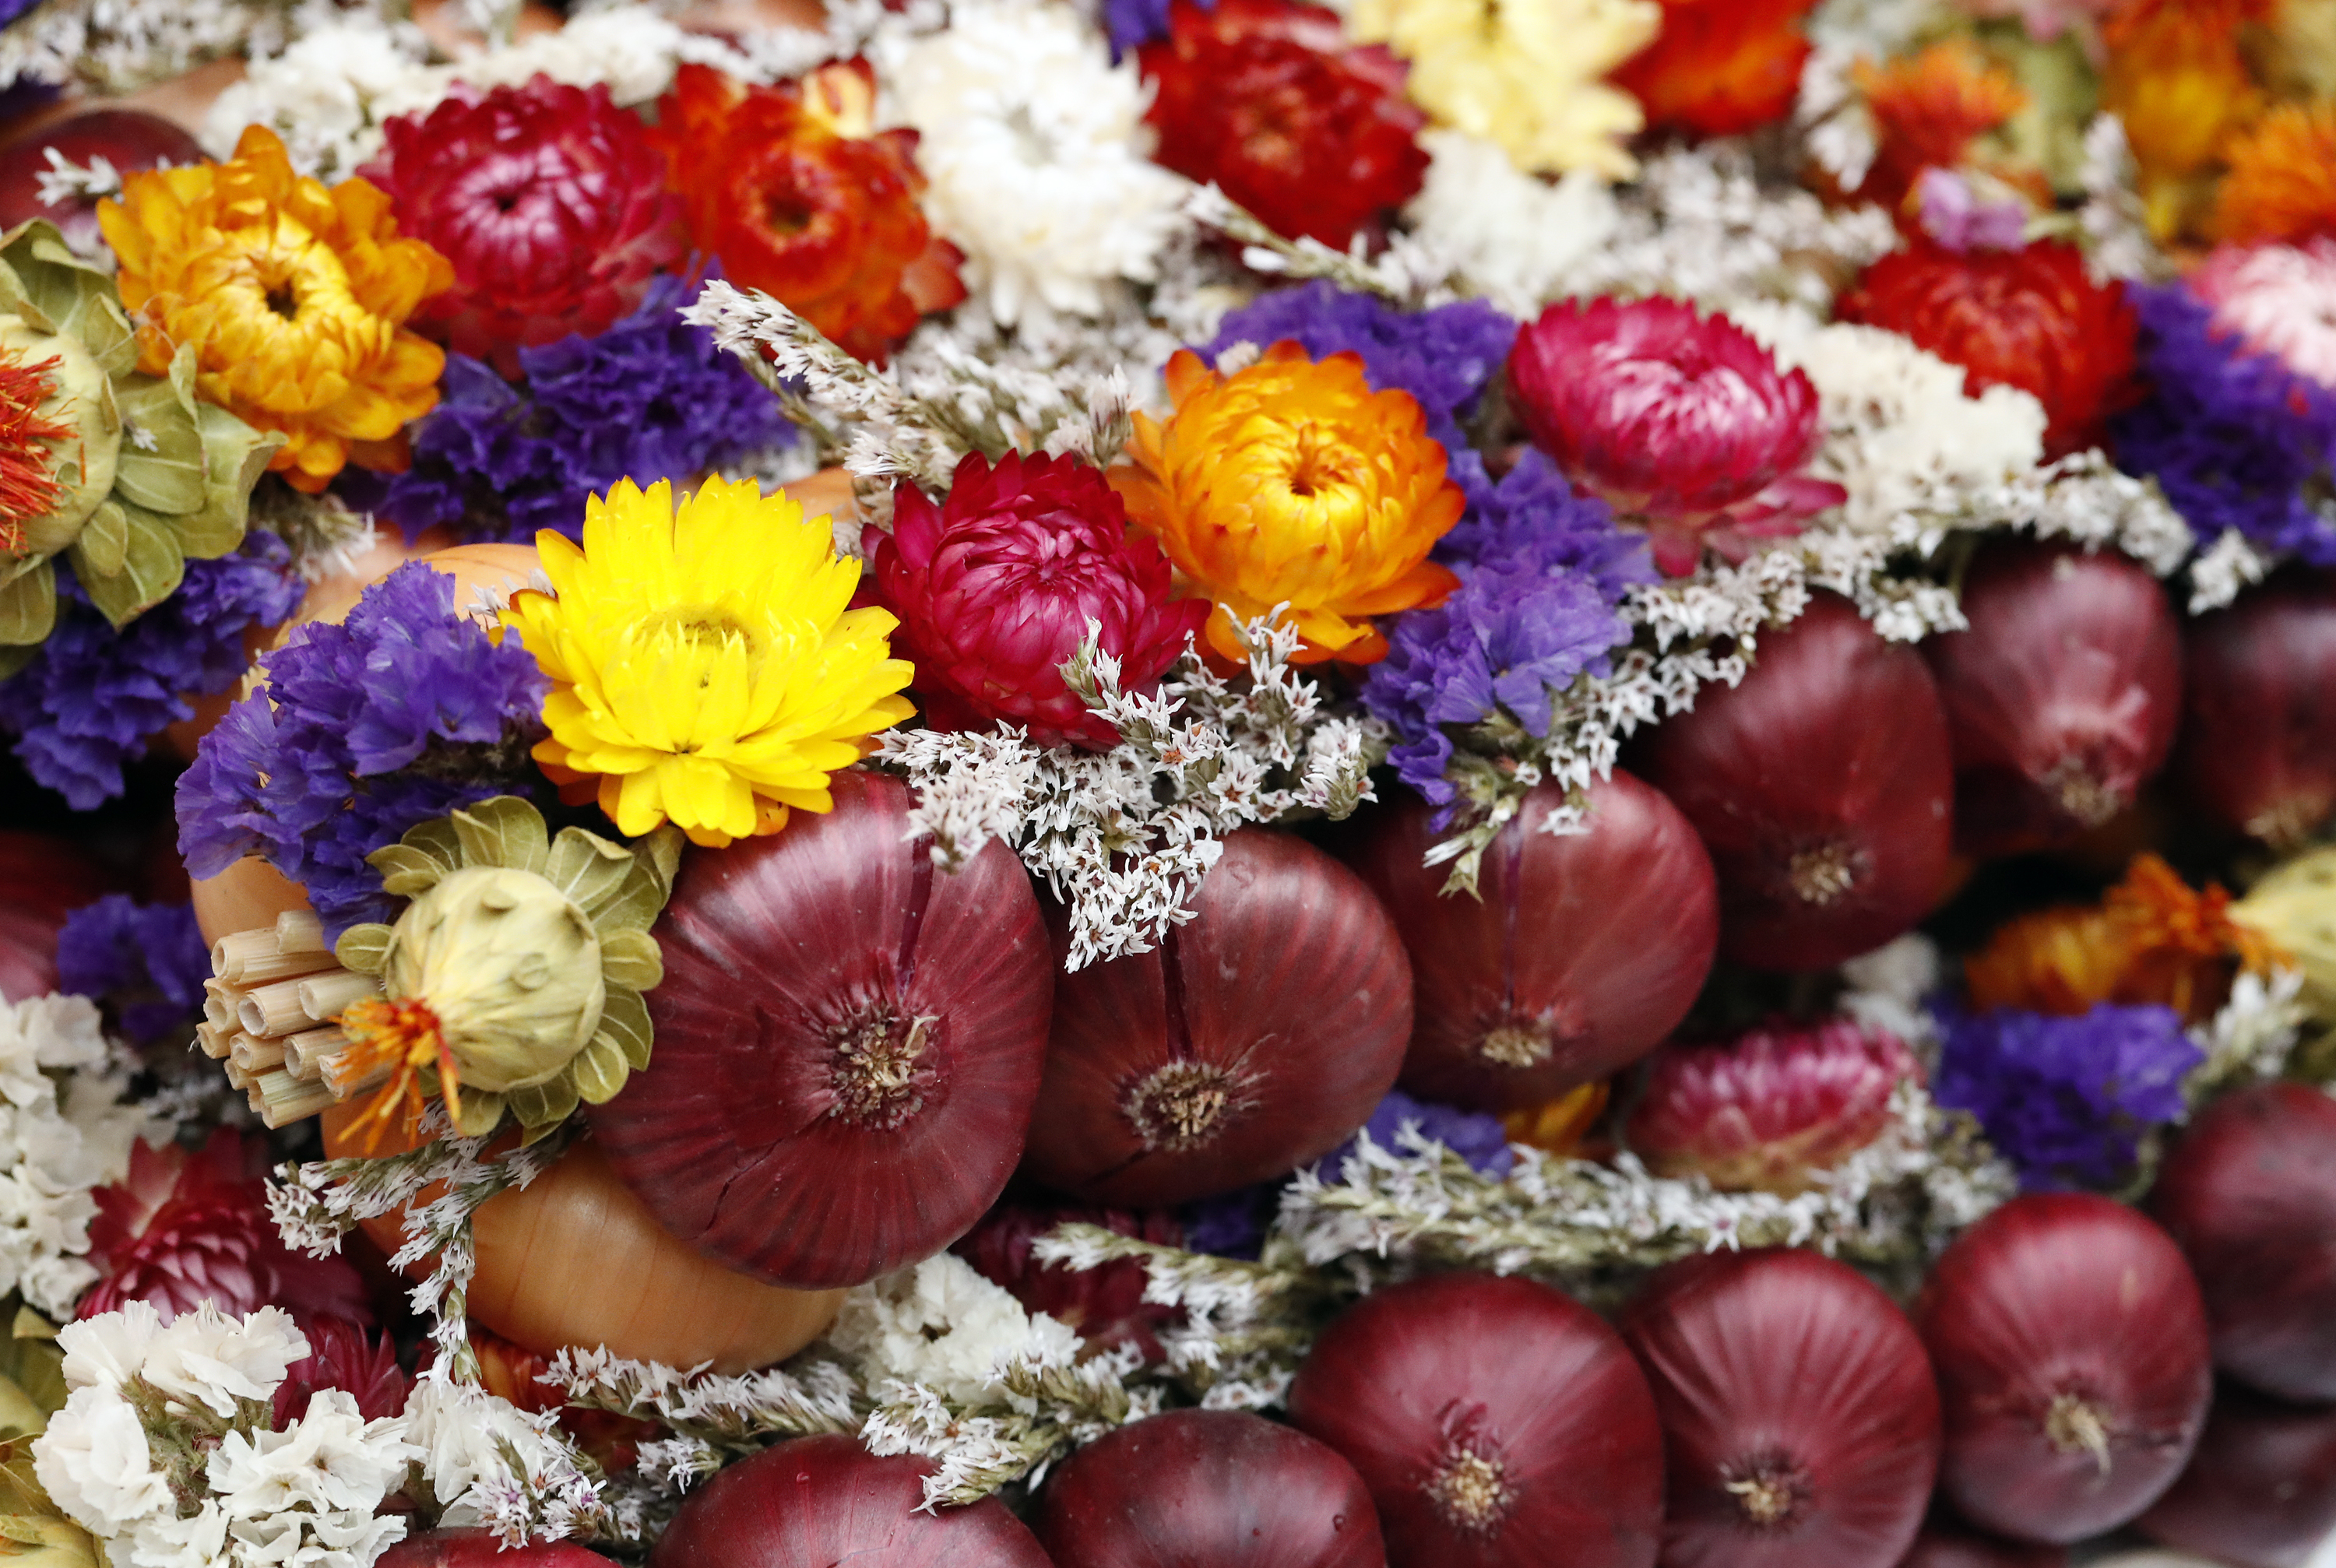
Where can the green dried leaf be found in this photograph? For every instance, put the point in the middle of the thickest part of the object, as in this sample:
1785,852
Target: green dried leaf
152,570
588,868
76,296
28,606
169,476
543,1106
631,959
625,1021
481,1111
407,871
365,947
103,547
435,838
13,659
503,832
600,1069
234,457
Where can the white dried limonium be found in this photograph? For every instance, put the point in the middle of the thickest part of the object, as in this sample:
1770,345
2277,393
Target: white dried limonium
1035,155
497,1468
1514,237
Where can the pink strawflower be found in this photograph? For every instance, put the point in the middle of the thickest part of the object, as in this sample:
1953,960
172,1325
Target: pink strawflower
182,1228
1684,423
2279,299
995,588
1768,1110
550,201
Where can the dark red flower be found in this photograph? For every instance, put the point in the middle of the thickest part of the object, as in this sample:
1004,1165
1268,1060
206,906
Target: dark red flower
548,199
1268,99
343,1356
1684,423
2028,318
182,1228
1767,1110
996,586
1719,67
1105,1305
794,190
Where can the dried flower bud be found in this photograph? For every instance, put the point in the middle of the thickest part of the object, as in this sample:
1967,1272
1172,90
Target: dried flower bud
1768,1110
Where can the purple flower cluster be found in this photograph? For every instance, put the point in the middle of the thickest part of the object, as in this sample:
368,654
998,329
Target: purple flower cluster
2234,438
1232,1225
147,962
1133,24
93,697
1543,573
400,715
651,398
2066,1099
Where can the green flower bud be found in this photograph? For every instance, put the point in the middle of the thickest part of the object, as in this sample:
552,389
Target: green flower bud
509,966
2296,908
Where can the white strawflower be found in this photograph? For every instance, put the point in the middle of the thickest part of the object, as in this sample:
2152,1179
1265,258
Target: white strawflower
94,1464
1034,147
1513,236
941,1324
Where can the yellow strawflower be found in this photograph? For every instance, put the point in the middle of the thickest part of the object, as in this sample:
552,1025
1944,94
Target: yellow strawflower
1293,482
1525,76
293,296
706,666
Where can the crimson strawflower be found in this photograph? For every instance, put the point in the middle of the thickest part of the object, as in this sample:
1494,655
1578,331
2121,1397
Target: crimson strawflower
1684,423
1767,1111
183,1228
1269,99
794,190
2028,318
550,201
343,1356
995,588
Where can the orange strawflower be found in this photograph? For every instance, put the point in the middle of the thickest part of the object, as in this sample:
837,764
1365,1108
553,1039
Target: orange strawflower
795,190
2179,81
1927,109
1719,67
1559,1125
1293,482
2281,184
2151,940
294,296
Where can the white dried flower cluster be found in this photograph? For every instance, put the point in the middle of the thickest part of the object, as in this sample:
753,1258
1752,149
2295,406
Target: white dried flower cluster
1035,155
1515,239
166,1451
117,46
941,1324
1701,225
65,1132
510,1472
1888,986
1124,836
2113,221
1412,271
2219,572
64,181
2251,1036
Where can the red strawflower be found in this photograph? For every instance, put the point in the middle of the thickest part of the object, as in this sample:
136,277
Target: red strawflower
793,188
2028,318
1684,423
1929,109
182,1228
1768,1110
1106,1306
996,586
548,199
343,1356
1719,67
1268,99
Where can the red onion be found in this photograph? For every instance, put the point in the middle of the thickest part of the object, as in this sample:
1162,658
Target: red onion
2249,1196
1770,1109
1104,1304
2258,751
848,1044
1492,1418
2262,1489
1947,1546
129,139
1800,1423
821,1502
1256,1036
483,1549
42,880
2061,696
1216,1487
1821,786
1579,953
2071,1345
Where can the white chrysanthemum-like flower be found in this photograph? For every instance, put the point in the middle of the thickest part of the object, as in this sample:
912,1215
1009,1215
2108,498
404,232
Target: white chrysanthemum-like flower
1034,147
57,1144
94,1464
1900,435
206,1357
1513,236
331,1461
467,1439
941,1324
327,94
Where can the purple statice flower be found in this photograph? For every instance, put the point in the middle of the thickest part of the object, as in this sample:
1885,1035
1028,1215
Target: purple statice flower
2234,438
93,697
1543,574
2066,1099
1954,215
651,398
403,712
147,962
1232,1225
1131,23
